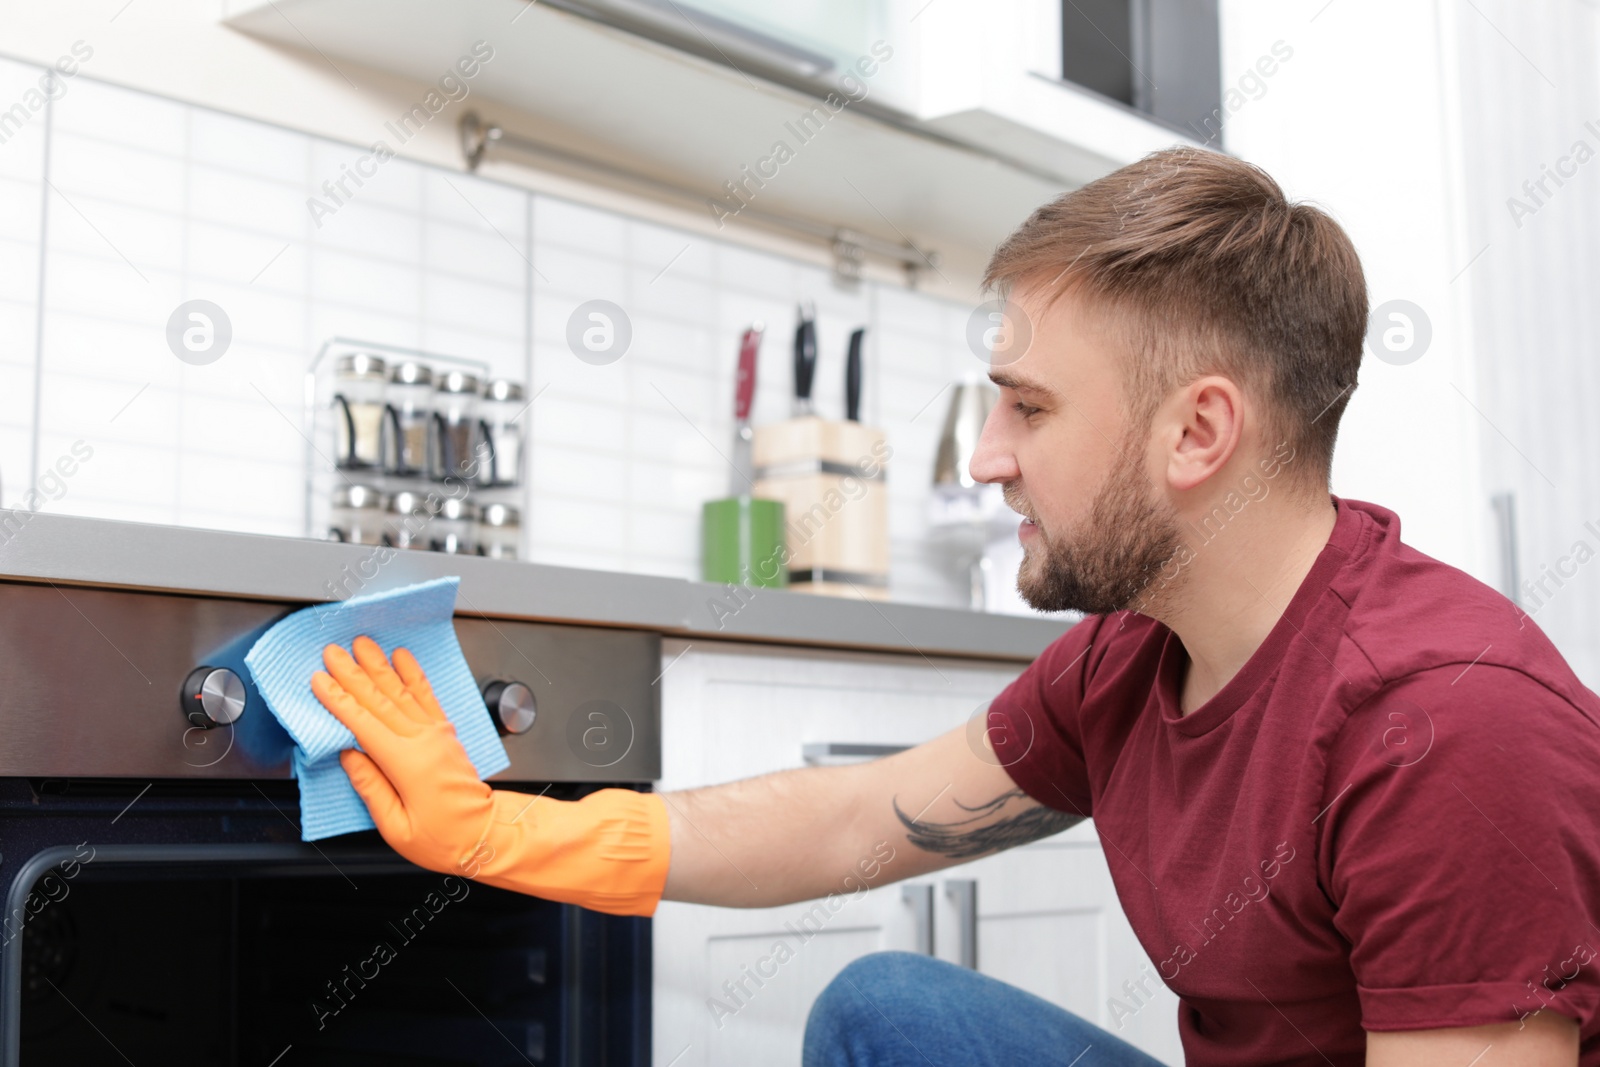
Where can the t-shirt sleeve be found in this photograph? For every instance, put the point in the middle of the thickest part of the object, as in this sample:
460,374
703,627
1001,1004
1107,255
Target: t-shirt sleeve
1034,723
1459,848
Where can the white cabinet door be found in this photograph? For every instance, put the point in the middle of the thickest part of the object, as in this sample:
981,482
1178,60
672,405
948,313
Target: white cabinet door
733,986
1048,921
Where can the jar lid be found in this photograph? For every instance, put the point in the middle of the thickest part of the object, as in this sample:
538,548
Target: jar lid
410,502
455,507
360,365
358,496
411,373
503,389
500,515
458,381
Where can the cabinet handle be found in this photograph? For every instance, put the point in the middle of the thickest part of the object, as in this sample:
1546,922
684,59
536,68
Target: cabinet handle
827,751
920,897
964,893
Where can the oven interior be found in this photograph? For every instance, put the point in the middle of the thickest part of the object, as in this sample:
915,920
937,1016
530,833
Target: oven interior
266,956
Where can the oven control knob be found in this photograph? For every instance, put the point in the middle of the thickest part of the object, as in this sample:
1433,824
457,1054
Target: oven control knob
512,705
213,696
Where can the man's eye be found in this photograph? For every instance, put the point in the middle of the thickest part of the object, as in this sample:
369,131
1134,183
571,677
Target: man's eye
1025,410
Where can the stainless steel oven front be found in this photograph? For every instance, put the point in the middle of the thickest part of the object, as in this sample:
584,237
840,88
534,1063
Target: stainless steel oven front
161,908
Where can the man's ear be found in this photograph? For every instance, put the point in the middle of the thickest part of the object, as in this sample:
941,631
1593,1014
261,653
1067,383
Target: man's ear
1206,424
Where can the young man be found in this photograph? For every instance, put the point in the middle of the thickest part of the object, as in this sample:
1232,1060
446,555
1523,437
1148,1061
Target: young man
1348,794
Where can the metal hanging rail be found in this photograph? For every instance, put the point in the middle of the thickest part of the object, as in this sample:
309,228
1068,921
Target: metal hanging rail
848,246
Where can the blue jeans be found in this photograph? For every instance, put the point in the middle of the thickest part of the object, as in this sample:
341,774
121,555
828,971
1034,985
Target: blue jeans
899,1009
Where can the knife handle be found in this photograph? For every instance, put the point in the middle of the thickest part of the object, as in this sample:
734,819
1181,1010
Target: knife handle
745,388
805,357
852,377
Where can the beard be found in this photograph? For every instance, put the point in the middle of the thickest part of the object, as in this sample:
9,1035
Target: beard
1109,563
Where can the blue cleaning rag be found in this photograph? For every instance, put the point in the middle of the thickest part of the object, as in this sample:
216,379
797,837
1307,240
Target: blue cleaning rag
282,662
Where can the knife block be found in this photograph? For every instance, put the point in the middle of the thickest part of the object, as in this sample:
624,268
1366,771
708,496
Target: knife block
831,479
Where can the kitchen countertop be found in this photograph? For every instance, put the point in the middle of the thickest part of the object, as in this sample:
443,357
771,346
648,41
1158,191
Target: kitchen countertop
63,549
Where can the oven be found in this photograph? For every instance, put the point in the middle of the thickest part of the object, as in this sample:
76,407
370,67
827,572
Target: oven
161,908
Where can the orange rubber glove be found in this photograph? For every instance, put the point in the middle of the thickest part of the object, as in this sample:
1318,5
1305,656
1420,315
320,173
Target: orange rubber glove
608,851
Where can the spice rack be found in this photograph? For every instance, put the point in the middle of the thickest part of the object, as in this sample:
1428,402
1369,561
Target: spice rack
413,449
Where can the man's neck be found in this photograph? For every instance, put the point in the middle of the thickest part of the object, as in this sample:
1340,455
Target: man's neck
1238,585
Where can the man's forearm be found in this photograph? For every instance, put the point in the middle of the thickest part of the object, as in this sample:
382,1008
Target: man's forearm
770,840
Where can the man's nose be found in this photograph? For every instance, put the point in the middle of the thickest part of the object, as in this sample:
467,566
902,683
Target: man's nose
993,460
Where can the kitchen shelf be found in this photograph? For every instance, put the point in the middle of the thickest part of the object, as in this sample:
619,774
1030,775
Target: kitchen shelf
952,167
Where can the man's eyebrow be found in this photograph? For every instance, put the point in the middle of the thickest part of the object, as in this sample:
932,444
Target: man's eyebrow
1008,380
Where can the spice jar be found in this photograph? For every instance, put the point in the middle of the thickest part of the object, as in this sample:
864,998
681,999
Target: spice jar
499,531
357,515
358,411
453,448
410,515
452,527
501,448
408,409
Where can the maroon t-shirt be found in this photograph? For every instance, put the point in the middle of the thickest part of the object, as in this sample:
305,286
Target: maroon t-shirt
1389,819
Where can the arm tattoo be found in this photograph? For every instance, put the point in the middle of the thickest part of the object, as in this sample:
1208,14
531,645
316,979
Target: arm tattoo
974,836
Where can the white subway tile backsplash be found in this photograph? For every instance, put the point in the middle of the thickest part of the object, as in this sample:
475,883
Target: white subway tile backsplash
16,455
17,323
213,482
560,377
244,257
669,252
111,289
475,305
275,523
122,116
344,320
601,428
103,349
104,410
676,486
239,429
476,204
16,397
371,229
578,473
687,395
475,254
144,477
259,204
19,270
121,510
86,166
665,535
757,273
673,439
396,183
580,523
250,147
679,345
504,354
366,283
580,276
19,222
102,229
581,558
204,205
586,229
260,317
654,292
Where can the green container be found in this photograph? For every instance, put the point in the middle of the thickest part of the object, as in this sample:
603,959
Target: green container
742,542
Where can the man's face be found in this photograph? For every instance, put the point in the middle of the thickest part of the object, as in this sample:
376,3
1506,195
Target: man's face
1096,530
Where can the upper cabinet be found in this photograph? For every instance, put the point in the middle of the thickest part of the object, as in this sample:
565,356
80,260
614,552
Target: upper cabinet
927,128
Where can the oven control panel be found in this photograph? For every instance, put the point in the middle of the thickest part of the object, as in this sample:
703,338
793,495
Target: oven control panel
98,682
